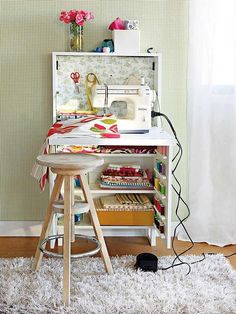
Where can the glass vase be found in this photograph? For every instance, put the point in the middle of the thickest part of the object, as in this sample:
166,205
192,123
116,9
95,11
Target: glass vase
76,37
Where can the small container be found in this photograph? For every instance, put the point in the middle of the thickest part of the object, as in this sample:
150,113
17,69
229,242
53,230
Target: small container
126,41
78,217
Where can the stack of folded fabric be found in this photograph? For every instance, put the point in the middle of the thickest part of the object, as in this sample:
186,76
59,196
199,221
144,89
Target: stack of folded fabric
125,177
116,149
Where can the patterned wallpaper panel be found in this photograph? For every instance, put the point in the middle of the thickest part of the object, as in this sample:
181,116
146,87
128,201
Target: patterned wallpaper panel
110,70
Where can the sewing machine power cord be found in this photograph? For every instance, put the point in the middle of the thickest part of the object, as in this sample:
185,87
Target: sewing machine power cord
178,256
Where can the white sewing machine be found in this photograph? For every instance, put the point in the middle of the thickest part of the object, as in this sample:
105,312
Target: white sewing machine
131,104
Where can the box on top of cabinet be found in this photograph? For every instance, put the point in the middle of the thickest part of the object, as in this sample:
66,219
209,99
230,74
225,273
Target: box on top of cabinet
126,41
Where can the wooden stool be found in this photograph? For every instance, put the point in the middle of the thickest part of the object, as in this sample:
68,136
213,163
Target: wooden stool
66,166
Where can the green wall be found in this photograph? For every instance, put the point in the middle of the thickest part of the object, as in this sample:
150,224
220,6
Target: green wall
30,31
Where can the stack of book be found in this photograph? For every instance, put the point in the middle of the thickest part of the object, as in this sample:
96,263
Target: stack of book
126,177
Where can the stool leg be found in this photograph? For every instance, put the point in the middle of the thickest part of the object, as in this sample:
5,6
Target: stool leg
67,240
72,215
47,221
96,224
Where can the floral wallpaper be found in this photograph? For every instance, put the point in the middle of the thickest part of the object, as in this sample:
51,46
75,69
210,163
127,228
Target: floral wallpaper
111,70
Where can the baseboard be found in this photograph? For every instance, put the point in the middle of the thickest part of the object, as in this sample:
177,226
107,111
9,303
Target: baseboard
20,228
33,229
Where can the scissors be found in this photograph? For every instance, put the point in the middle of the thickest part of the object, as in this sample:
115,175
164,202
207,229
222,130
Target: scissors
75,77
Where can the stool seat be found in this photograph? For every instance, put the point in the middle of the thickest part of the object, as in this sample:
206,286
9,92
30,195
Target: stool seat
70,161
77,208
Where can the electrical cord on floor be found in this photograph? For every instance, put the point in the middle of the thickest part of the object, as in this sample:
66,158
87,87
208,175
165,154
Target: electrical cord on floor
179,199
180,150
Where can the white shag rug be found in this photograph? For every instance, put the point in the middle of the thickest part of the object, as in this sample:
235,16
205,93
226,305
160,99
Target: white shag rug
210,288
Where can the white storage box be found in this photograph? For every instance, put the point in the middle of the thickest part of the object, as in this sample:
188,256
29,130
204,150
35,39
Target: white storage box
126,41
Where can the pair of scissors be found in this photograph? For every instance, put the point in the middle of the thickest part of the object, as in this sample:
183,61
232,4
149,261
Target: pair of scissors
75,77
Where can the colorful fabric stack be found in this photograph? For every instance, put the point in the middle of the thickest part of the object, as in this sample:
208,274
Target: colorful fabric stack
110,149
125,177
126,149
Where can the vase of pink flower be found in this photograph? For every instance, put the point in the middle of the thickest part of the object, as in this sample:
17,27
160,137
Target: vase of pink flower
76,19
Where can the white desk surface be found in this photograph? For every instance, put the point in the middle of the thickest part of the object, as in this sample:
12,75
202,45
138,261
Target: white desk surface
155,137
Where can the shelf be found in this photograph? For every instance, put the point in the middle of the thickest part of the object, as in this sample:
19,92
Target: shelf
95,189
85,224
126,155
155,137
161,176
111,54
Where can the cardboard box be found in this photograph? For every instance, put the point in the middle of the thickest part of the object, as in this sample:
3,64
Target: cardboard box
126,218
126,41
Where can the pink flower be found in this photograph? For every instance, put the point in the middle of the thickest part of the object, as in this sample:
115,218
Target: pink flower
72,14
79,19
89,16
83,12
65,17
63,13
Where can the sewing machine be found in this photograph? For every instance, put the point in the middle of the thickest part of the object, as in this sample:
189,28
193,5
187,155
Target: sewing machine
131,104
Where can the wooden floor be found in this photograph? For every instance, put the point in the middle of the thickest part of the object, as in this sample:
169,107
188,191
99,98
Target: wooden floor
25,246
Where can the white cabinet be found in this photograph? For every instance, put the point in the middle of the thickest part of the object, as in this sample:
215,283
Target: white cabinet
118,67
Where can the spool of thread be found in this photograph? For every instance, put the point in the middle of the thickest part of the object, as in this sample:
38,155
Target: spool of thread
106,49
163,169
161,227
162,211
158,205
162,189
156,183
158,165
